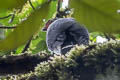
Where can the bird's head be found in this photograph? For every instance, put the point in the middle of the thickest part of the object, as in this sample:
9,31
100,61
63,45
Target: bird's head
48,24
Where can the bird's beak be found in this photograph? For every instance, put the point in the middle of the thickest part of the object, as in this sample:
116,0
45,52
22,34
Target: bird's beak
44,29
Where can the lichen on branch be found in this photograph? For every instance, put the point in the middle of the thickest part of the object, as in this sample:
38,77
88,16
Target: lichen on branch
81,63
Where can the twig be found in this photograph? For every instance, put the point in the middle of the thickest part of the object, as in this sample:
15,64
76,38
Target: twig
6,16
31,4
2,27
26,46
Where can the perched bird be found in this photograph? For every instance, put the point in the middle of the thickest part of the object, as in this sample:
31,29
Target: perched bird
63,34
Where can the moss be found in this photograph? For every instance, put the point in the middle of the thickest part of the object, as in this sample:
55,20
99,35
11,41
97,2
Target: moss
81,63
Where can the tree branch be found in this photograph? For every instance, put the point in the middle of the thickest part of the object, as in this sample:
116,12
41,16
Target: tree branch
81,63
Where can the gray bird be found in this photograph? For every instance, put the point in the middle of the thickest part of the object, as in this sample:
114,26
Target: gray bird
63,34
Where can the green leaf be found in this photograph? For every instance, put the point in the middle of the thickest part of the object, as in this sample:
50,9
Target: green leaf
10,4
97,15
39,44
2,34
26,29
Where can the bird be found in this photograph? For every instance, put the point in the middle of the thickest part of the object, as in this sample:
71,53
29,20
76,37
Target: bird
63,34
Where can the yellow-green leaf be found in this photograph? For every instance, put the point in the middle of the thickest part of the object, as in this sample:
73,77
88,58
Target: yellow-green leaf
98,15
10,4
26,29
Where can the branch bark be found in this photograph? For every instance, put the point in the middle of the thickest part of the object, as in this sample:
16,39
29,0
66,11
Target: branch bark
81,63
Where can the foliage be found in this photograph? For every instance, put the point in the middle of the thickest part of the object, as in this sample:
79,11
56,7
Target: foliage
88,12
10,4
25,31
97,15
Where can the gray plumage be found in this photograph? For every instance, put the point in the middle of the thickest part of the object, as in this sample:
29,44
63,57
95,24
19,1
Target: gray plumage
64,33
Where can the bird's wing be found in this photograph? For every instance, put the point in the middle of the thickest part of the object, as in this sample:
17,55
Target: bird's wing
56,30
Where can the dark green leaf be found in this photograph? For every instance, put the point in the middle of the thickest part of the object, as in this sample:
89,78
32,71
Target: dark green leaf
97,15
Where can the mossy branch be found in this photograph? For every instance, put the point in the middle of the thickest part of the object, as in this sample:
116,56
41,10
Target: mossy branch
81,63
